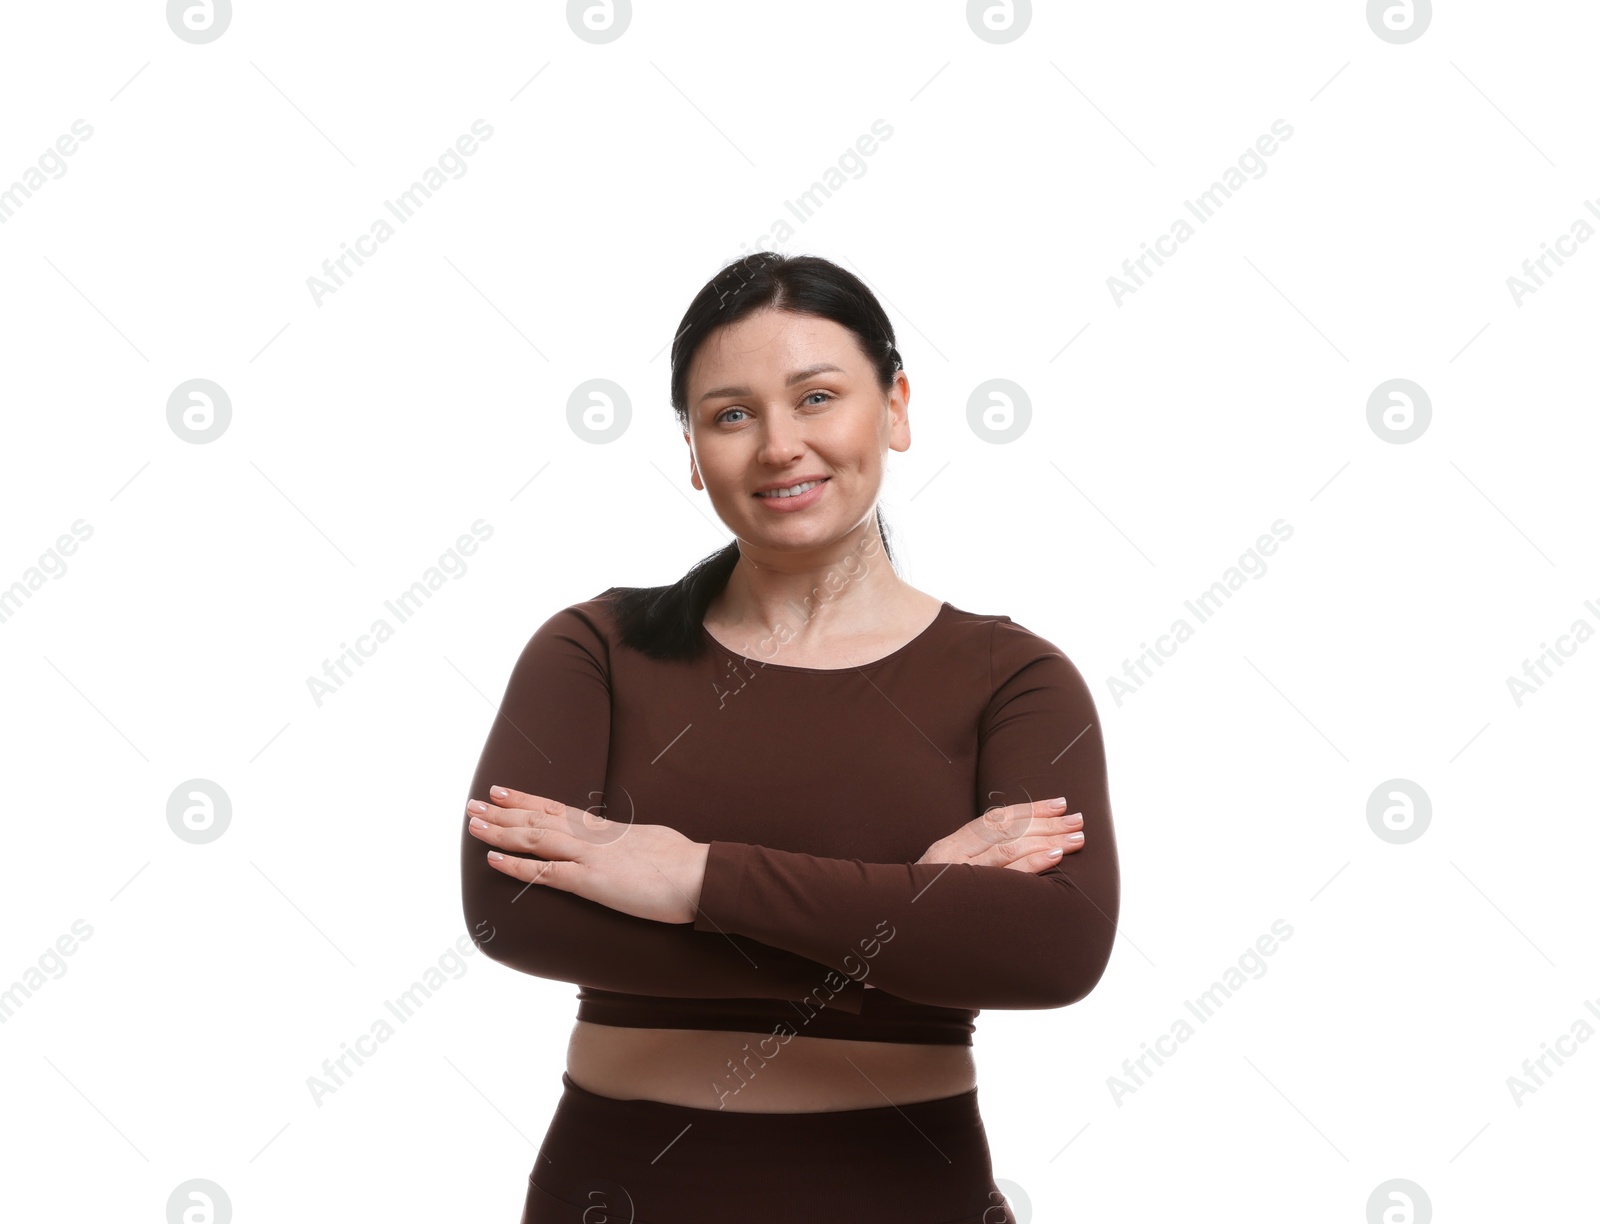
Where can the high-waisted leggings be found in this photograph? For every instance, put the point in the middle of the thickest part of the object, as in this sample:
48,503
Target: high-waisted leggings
610,1161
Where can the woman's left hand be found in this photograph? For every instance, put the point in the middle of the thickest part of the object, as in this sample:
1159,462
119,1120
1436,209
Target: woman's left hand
649,871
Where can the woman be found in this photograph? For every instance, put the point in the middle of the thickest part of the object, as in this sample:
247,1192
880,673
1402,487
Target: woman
788,822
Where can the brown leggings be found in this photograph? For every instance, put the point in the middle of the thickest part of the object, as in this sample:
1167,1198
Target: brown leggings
610,1161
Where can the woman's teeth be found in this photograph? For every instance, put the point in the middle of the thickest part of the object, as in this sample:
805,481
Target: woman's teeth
792,491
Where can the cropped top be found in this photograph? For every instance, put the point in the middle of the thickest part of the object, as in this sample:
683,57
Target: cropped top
817,790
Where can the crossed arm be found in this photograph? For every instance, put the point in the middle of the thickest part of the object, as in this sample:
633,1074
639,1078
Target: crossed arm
615,913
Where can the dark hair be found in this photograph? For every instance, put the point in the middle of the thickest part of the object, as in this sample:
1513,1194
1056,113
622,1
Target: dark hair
667,622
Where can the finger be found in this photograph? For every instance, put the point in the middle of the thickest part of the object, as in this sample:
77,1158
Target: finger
547,843
1024,851
480,812
1021,818
1000,825
1041,860
540,809
1067,843
1055,826
514,809
981,852
554,874
505,797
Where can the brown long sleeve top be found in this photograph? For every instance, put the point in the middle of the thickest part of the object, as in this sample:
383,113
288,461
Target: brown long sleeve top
817,790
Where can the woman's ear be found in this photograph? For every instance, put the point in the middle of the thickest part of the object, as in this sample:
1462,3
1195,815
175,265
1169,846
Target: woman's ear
899,406
694,471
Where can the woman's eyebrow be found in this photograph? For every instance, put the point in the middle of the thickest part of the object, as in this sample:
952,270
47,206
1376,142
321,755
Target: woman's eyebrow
798,376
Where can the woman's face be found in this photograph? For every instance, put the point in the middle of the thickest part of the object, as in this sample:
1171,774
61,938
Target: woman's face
780,398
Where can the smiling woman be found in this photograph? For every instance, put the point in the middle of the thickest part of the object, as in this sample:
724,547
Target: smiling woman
903,789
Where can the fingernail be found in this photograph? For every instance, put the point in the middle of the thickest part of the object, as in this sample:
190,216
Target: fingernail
499,792
477,805
1074,837
479,824
1056,853
1060,805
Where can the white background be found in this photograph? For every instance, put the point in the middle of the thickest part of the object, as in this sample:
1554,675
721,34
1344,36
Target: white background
371,430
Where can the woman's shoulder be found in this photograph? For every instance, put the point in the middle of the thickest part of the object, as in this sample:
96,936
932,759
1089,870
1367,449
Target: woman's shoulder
588,622
1012,644
643,619
1026,669
997,624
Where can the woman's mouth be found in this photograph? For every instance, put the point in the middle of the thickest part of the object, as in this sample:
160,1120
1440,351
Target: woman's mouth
793,497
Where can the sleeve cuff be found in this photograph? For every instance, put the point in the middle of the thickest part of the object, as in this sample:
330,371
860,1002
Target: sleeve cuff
720,891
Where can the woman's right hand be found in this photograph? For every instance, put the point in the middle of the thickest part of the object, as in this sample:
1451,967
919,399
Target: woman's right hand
1019,836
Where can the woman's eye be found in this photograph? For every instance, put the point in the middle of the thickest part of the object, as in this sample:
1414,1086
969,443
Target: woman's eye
826,396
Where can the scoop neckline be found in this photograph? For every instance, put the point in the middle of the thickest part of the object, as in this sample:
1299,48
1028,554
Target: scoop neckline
945,608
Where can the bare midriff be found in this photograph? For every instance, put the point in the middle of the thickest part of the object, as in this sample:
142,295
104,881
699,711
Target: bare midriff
762,1072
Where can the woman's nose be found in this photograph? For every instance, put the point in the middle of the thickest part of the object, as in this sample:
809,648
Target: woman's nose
780,441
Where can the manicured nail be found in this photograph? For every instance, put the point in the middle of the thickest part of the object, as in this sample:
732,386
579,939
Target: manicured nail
1060,805
477,805
1056,853
479,824
1074,837
496,855
499,792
